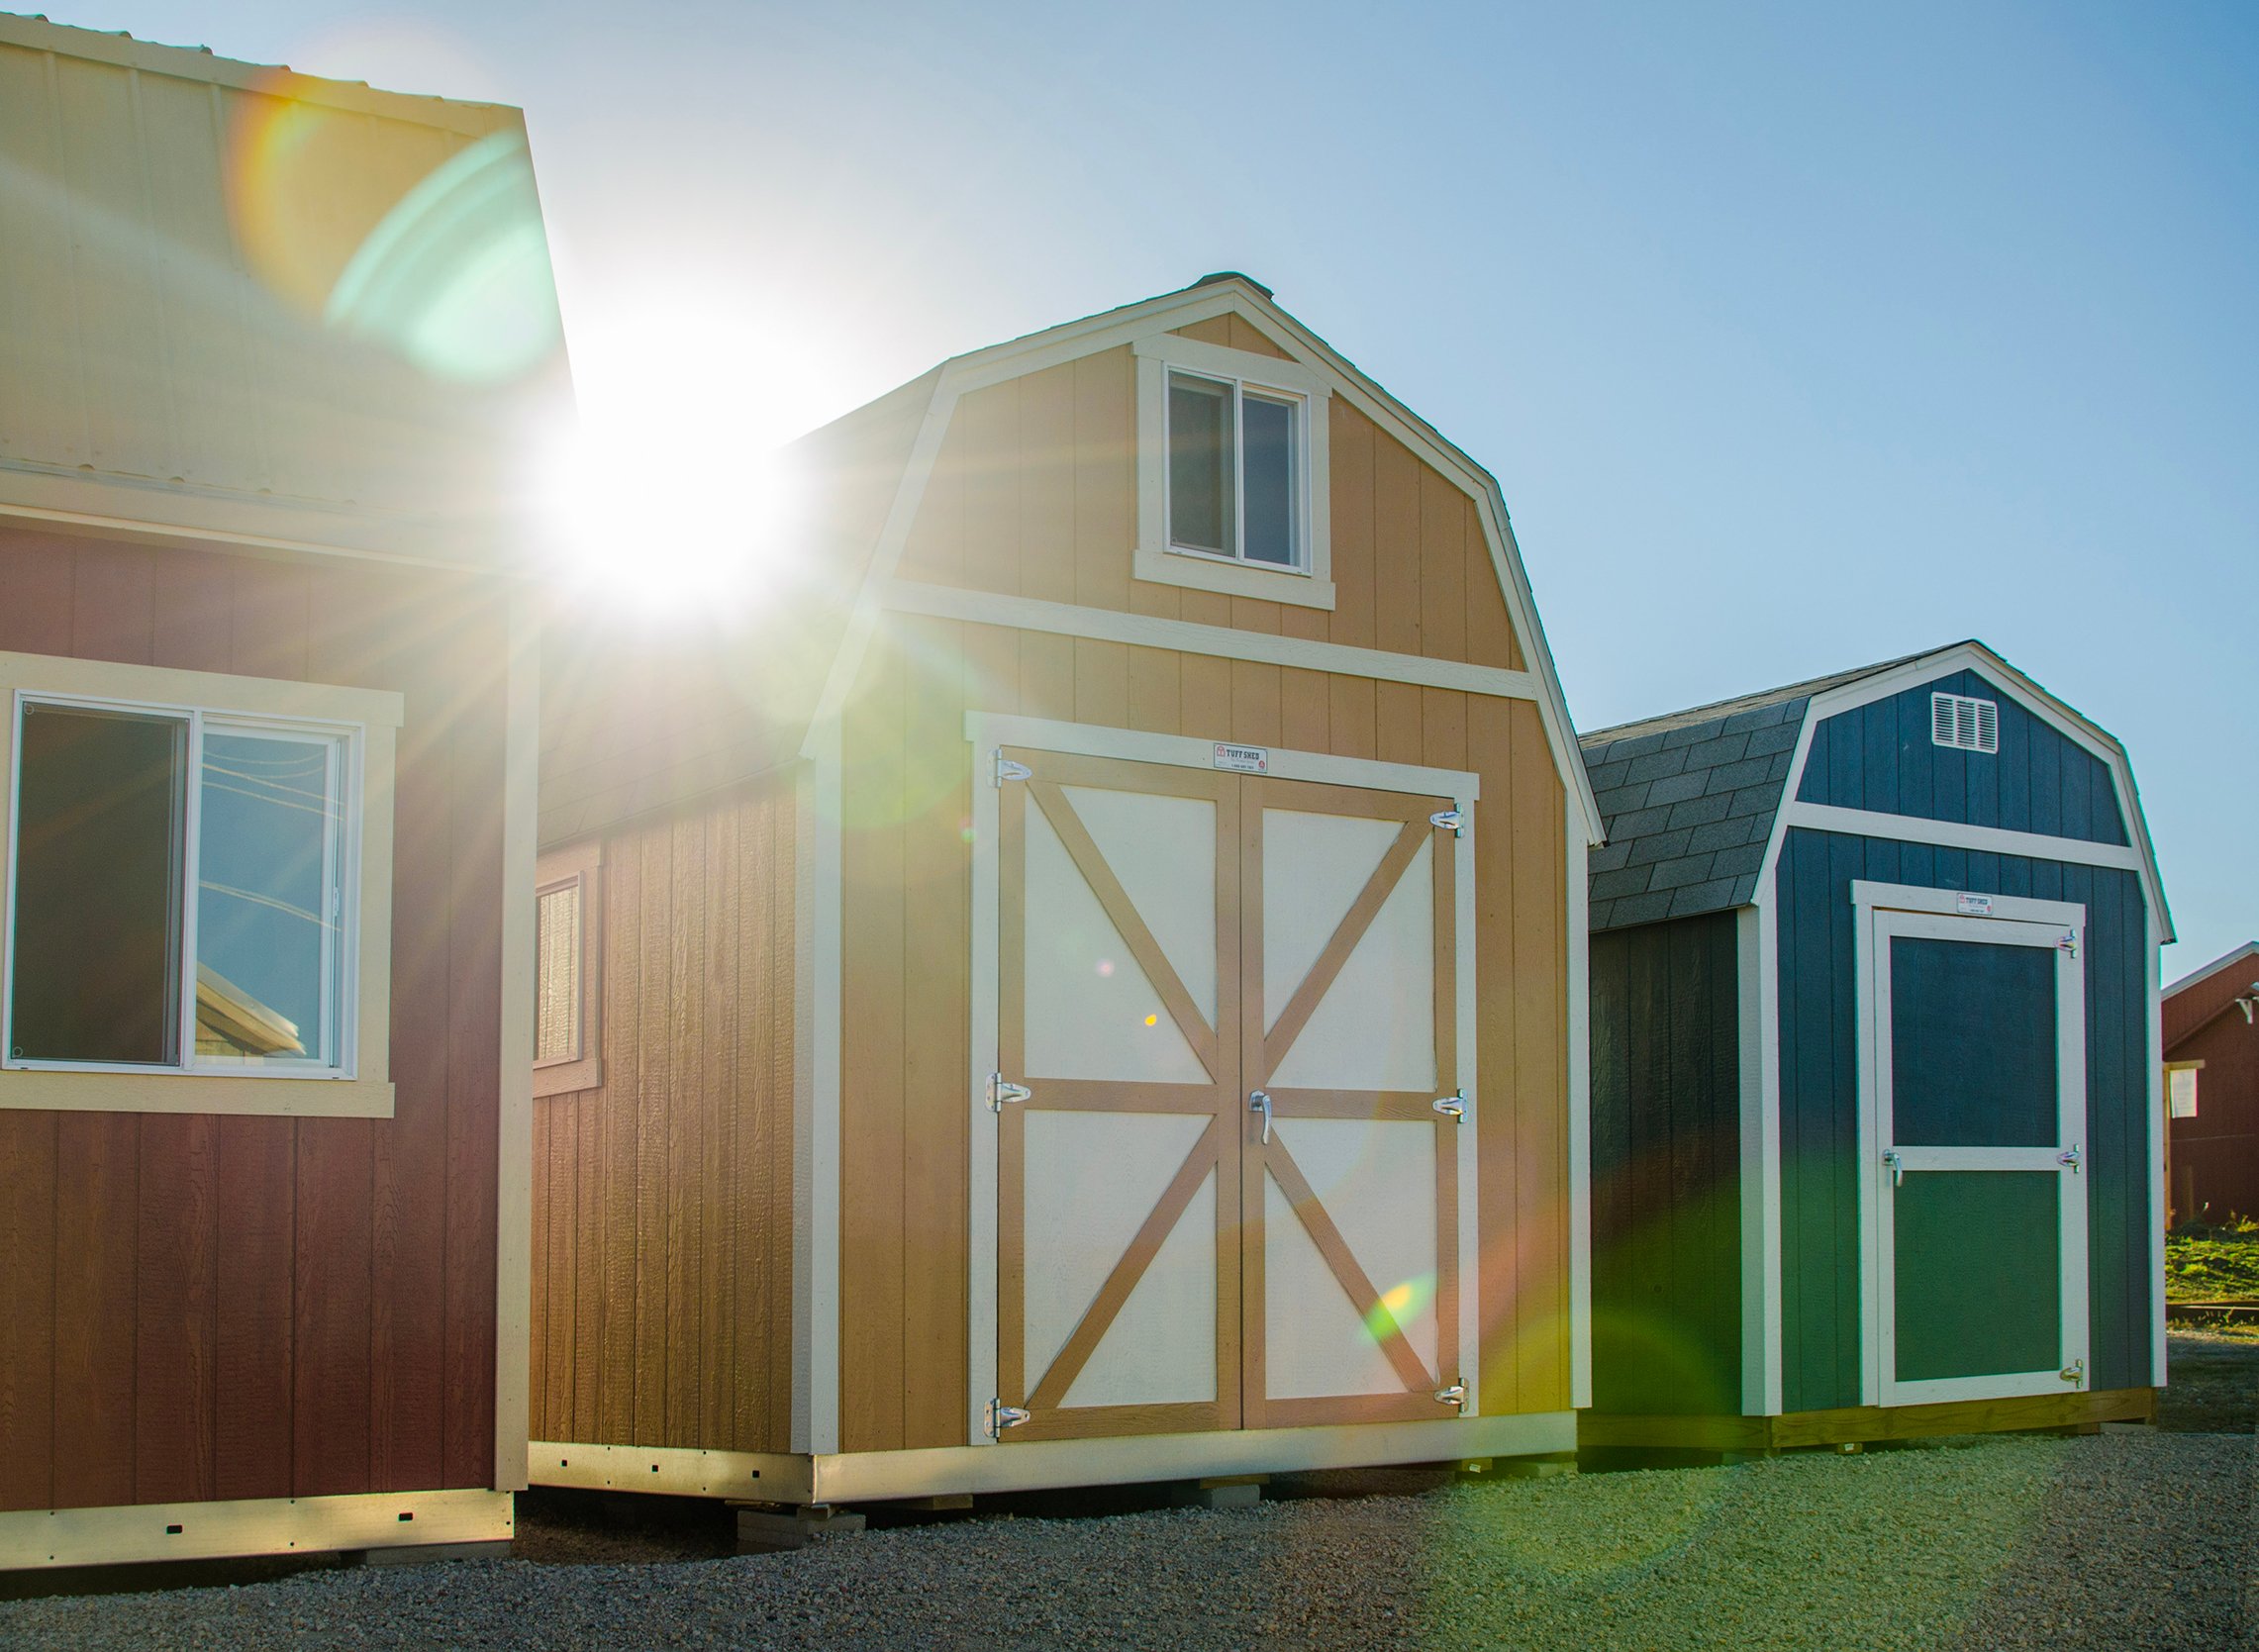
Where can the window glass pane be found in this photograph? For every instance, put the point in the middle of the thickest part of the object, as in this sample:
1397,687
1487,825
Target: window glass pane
98,876
1200,464
556,974
268,911
1268,429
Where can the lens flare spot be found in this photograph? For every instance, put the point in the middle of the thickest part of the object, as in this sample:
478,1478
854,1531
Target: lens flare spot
1399,1304
1152,1020
1105,967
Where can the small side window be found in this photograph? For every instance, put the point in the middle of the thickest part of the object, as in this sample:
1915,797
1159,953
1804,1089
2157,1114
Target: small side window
568,904
1233,476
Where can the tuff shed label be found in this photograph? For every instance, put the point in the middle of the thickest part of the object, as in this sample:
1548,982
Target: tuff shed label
1973,905
1242,759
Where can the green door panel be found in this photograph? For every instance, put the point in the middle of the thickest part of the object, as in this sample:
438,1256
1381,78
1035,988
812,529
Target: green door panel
1979,1273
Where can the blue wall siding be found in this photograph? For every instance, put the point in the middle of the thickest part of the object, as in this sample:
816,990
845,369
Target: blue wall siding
1880,757
1821,1163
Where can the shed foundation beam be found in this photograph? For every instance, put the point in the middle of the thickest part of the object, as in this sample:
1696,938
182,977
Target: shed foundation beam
772,1530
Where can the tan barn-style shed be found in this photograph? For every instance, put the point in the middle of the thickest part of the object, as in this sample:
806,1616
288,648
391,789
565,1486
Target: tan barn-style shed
1082,980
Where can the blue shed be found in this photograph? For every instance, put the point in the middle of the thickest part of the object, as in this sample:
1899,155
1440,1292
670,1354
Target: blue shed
1876,1110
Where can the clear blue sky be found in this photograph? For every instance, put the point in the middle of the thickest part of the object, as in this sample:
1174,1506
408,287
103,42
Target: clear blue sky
1799,335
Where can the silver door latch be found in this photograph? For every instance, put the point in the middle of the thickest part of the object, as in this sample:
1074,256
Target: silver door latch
1007,769
2072,1157
1449,820
1001,1090
1002,1416
1259,1100
1897,1166
1453,1106
2074,1373
1455,1395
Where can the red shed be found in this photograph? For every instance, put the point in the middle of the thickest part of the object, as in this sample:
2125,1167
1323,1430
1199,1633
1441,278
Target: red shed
2212,1088
266,704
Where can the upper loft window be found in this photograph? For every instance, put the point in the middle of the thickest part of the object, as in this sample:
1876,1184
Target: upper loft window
180,891
1233,472
1964,722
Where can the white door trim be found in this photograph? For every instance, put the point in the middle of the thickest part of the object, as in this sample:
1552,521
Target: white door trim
1883,911
988,732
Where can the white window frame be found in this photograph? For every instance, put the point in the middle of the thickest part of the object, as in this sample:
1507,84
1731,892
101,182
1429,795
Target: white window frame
579,867
356,1083
1309,582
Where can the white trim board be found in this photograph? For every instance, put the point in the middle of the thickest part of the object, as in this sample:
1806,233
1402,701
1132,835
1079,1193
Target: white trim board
1580,1109
514,1196
1227,296
989,730
1951,835
1759,1017
1946,903
39,1539
1186,636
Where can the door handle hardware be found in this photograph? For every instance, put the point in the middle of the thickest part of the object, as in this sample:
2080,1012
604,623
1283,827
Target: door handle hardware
1001,1090
2075,1373
1455,1395
2072,1157
2069,942
1453,1106
1897,1166
1449,820
1259,1100
1007,769
1002,1416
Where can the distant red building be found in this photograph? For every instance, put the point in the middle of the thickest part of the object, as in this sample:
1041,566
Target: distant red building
2211,1036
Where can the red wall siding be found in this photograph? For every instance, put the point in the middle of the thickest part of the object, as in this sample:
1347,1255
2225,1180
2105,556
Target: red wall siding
207,1307
2215,1154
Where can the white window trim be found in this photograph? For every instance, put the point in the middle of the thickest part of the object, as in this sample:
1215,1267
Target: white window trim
580,866
1307,585
360,1087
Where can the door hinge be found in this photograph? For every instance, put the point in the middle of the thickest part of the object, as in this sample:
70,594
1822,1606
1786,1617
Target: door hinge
2072,1157
1002,1416
1001,1090
1449,820
1455,1395
1453,1106
1007,769
2075,1373
2068,942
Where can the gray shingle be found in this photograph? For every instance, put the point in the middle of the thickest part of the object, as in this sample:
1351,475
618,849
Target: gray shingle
1659,846
1697,812
1608,857
1640,909
1765,716
1656,764
1632,880
1677,789
1713,895
1744,890
1755,800
1605,775
1720,834
1677,874
1638,823
1638,746
1621,801
1599,916
1779,739
1725,748
1731,777
1694,734
1734,862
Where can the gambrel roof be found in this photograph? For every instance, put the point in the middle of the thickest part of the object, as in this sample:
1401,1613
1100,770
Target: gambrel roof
1695,800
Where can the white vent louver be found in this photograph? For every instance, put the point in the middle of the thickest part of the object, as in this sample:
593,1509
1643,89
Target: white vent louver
1965,723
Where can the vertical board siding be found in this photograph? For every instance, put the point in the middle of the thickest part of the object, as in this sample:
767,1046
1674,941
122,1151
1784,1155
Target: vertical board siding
1823,1345
663,1210
1880,757
2215,1154
225,1308
1666,1131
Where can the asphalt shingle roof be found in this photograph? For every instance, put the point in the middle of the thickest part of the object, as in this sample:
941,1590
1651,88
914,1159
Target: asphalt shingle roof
1689,800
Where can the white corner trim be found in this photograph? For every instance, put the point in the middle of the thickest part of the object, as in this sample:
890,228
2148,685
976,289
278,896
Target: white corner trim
988,730
816,911
1951,835
1146,631
2155,1141
513,1195
1757,942
1580,1113
985,1138
2018,908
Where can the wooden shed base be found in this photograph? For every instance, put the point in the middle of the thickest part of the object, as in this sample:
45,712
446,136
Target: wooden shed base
39,1538
833,1478
1855,1424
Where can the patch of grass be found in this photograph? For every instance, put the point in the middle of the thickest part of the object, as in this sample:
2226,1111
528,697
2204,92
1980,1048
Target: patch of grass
2207,1264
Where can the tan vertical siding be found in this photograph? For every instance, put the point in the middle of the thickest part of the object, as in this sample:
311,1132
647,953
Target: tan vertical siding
663,1210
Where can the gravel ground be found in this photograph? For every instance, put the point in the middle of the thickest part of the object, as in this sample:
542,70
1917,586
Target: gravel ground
2139,1539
